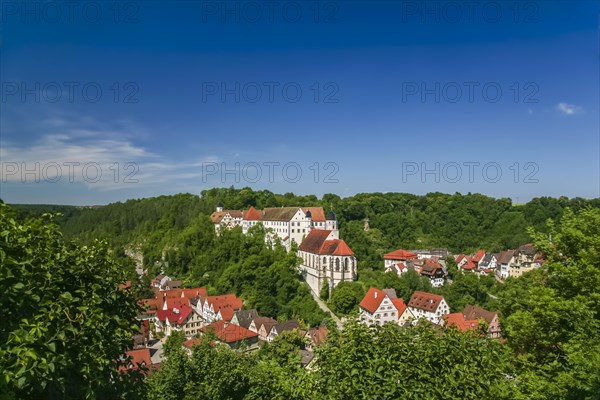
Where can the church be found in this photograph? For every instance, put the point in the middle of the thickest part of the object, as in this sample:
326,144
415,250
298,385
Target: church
326,260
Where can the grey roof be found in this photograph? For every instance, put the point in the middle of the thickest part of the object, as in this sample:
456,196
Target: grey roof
487,259
245,317
279,213
287,326
505,256
391,293
526,249
307,357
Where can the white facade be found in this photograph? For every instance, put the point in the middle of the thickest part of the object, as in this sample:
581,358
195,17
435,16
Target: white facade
436,282
386,312
287,223
291,228
434,316
322,266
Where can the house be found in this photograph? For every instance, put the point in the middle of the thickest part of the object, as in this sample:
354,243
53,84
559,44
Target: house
164,282
141,338
169,299
226,219
439,253
488,264
262,326
505,259
277,329
429,306
181,319
244,318
377,308
491,318
392,259
231,334
326,260
316,337
139,359
471,262
306,358
459,321
215,308
405,315
525,259
432,270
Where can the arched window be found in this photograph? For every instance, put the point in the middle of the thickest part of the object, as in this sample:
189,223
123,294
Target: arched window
337,264
346,265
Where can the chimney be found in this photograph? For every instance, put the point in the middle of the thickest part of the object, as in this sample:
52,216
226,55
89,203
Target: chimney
375,294
176,310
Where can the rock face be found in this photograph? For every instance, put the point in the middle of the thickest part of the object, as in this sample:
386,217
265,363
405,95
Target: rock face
138,257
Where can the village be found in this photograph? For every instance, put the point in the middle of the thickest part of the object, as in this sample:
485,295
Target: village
325,260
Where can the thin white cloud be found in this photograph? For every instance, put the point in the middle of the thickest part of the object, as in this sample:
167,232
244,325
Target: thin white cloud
87,152
569,109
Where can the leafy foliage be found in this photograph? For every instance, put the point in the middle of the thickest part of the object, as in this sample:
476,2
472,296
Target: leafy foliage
64,319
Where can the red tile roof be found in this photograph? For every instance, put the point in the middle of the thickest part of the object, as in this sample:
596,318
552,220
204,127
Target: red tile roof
425,301
400,305
474,312
125,285
191,342
317,335
317,213
176,315
252,214
316,243
478,256
217,216
342,249
227,304
228,332
458,320
314,240
401,255
430,267
372,300
140,357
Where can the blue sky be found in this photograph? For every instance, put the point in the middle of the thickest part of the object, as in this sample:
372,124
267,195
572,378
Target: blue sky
105,101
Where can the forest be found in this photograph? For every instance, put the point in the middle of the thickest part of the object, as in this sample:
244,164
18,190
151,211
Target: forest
65,323
175,235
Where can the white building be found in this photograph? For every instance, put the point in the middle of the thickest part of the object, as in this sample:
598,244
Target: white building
505,260
429,306
287,223
378,308
390,260
226,219
326,260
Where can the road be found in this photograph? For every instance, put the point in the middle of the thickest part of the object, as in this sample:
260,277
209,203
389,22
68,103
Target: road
324,307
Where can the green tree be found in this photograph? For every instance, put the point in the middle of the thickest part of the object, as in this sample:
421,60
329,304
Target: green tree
346,296
65,322
553,324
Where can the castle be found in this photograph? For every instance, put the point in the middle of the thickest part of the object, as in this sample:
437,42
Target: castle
326,259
